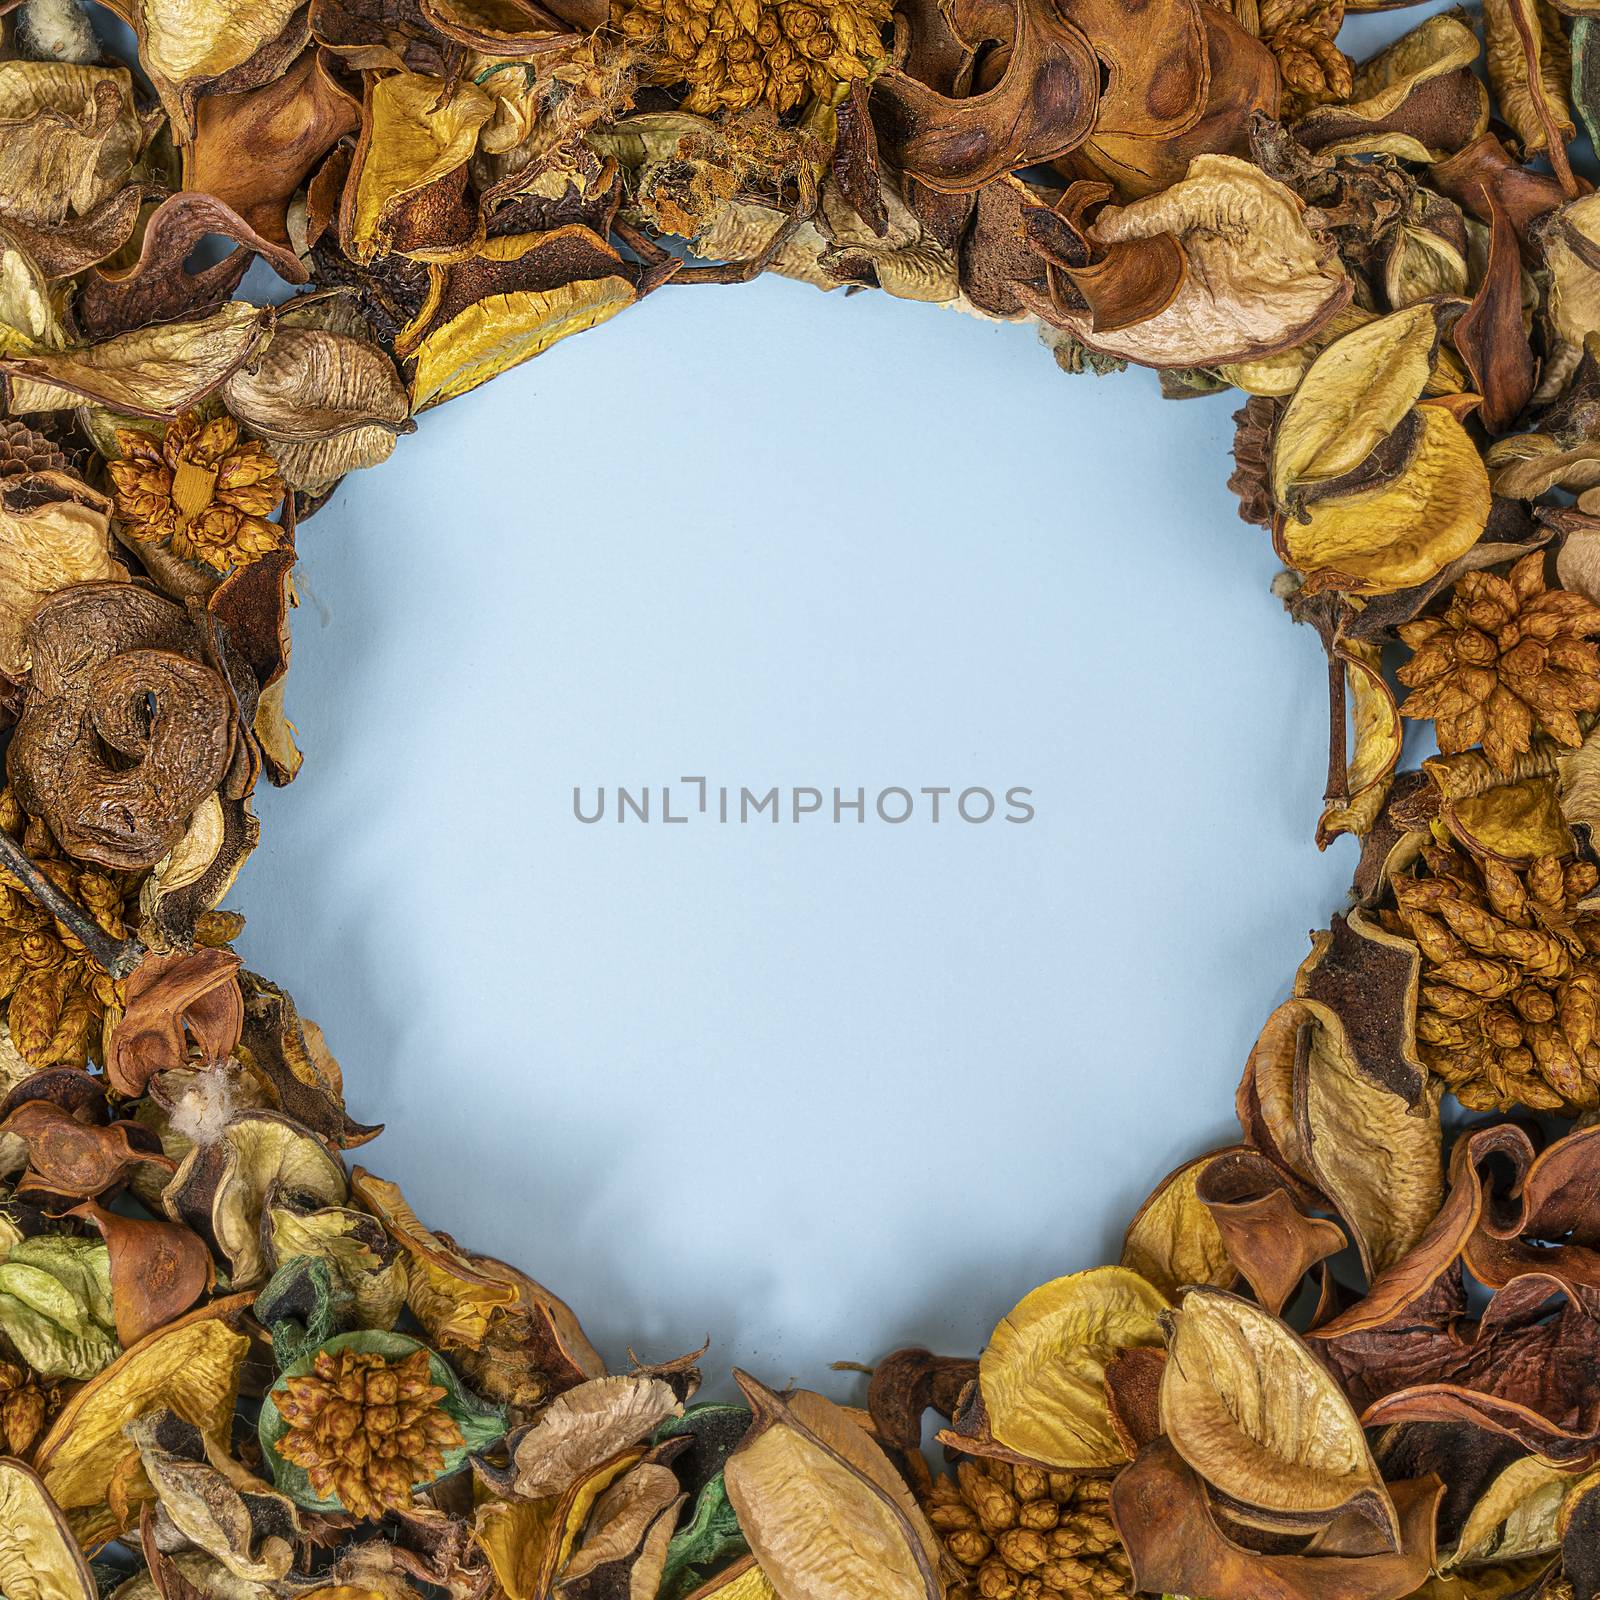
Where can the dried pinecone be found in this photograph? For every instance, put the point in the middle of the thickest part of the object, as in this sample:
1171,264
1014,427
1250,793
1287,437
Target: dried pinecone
1020,1533
367,1430
202,492
24,450
56,992
732,54
1506,1013
26,1404
1316,72
1508,656
1300,34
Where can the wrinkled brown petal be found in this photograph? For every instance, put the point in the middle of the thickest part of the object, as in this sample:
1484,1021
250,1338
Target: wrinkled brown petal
1177,1547
1490,334
158,1269
1042,107
116,668
171,1000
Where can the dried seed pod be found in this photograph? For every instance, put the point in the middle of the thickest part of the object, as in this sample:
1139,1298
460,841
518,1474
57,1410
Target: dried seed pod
124,730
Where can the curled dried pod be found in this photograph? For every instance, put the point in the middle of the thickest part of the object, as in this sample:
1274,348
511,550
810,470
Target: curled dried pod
125,730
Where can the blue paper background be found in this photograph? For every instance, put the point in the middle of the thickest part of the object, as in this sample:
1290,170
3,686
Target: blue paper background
816,1090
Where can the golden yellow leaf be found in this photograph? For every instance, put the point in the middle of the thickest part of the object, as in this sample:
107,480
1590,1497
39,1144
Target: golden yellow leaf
28,317
498,332
1517,818
1402,532
1379,1163
1378,736
419,130
185,41
1571,246
1516,1516
451,1298
54,531
1258,280
150,372
744,1580
1174,1241
38,1557
191,1367
1354,395
528,1542
1254,1412
824,1509
1042,1376
343,1237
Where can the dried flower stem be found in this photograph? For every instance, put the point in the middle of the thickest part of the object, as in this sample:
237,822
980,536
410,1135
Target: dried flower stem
647,250
1338,787
118,956
742,271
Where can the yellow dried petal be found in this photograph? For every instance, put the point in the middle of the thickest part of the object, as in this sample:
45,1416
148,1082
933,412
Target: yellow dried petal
1400,533
1043,1374
497,333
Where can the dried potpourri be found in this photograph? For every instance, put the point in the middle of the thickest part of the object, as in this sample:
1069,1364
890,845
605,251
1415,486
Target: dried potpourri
1351,1356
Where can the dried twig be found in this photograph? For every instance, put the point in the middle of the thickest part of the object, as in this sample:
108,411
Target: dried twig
118,956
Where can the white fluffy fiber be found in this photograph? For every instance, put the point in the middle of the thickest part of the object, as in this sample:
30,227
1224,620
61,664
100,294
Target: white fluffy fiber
206,1104
56,30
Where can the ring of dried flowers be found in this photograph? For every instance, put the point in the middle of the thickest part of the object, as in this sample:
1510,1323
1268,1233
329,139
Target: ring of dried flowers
1352,1356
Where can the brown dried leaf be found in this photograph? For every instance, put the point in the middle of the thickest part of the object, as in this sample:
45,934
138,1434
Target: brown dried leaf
585,1426
1368,977
328,403
1490,334
1417,99
1176,1545
1043,105
158,287
158,1270
1258,280
1268,1236
823,1507
169,1001
254,148
77,1159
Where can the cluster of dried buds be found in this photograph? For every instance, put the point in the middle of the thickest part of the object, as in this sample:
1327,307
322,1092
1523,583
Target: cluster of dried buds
1351,1356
